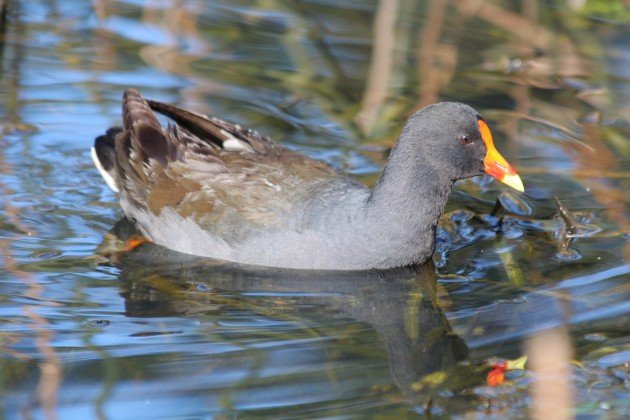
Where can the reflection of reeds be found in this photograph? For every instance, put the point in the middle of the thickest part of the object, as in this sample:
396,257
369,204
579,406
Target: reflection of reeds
380,74
4,8
100,8
550,354
49,364
513,23
436,60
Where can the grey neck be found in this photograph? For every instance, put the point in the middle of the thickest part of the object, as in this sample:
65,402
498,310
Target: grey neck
405,205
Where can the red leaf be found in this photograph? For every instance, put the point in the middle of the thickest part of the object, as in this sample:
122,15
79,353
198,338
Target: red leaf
495,377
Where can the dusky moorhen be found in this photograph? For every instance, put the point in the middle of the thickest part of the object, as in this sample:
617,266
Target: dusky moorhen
206,187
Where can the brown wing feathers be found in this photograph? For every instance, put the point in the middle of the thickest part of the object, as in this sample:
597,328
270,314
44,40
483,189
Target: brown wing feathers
145,160
143,139
147,137
195,123
200,167
213,130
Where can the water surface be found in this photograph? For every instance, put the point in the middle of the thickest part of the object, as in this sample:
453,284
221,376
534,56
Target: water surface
162,336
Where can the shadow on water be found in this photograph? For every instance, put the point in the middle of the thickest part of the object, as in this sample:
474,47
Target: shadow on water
400,305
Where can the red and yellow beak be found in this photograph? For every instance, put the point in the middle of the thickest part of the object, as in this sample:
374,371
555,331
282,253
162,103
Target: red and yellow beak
495,165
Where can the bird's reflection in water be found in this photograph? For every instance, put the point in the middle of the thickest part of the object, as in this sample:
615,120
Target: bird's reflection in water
400,304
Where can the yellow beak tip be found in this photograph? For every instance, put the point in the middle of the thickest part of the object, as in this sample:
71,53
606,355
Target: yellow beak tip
514,181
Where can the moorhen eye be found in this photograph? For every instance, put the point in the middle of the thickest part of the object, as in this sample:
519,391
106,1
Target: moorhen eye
464,139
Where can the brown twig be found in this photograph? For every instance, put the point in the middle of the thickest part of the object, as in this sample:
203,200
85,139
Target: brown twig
571,226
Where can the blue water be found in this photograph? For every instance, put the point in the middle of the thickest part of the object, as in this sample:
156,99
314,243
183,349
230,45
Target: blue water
157,336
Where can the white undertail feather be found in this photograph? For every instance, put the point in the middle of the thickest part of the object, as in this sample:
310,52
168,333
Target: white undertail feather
111,183
234,144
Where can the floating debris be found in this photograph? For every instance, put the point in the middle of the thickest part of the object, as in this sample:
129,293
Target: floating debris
497,375
567,232
571,226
